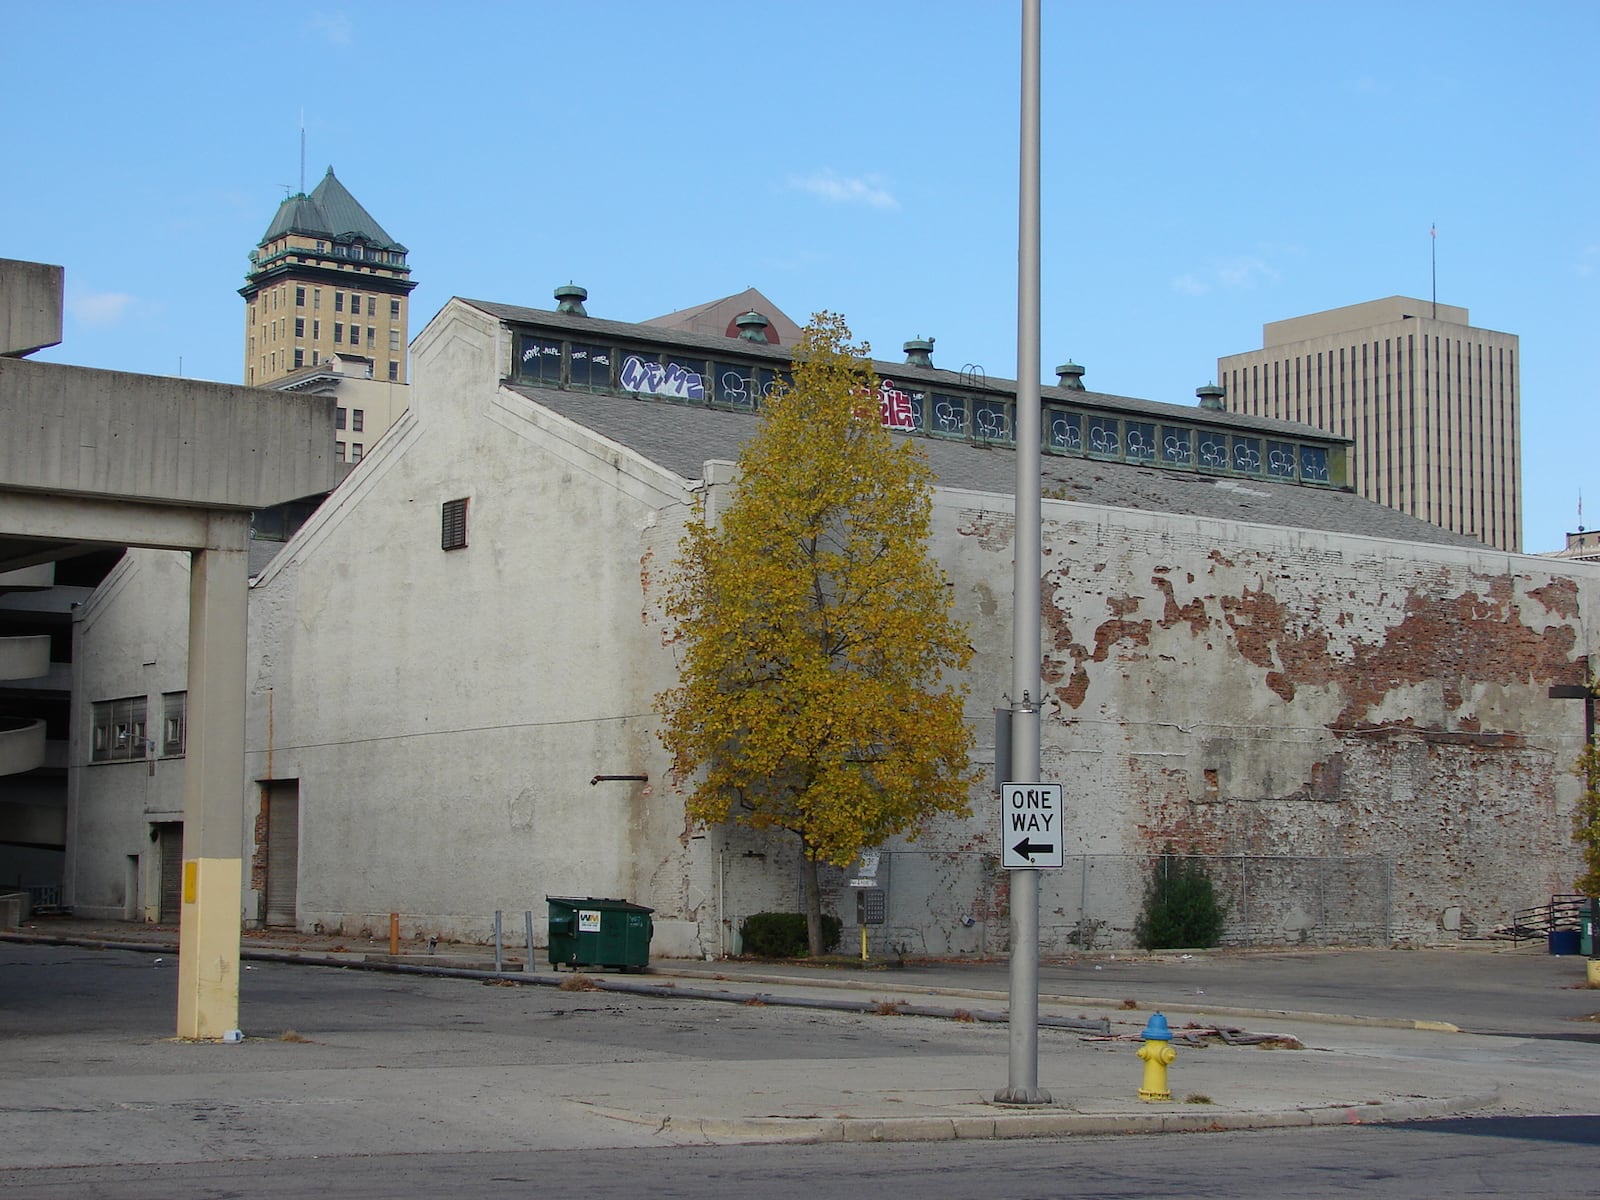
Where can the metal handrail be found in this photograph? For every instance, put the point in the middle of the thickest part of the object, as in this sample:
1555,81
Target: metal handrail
1563,912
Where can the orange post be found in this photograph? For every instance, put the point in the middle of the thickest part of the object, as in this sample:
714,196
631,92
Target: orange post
394,933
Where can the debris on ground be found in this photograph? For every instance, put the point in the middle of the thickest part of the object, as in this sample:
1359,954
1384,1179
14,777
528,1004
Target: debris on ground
1205,1035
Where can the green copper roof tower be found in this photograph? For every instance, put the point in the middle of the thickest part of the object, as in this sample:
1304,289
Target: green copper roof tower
325,279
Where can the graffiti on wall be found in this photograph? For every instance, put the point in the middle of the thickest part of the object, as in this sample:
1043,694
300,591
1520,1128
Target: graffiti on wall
654,379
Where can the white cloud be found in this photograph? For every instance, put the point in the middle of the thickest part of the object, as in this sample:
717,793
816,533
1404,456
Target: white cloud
829,185
99,308
1235,274
335,27
1245,272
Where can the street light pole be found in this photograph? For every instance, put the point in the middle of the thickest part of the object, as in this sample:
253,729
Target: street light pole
1026,683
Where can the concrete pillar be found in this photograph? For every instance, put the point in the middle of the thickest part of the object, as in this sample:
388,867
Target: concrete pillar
213,792
30,306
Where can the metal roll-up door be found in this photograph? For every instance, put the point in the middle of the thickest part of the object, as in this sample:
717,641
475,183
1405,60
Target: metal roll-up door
169,843
283,851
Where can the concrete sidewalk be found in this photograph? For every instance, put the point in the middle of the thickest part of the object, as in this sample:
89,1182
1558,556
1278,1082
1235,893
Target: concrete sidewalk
1087,1060
1333,1069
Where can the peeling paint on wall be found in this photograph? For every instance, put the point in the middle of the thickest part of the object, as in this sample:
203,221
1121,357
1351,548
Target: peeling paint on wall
1295,694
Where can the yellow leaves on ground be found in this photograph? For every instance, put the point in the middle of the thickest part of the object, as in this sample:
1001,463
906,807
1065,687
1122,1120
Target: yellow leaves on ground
819,652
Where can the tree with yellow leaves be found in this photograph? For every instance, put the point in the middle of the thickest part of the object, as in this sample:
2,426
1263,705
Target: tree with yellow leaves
819,653
1586,819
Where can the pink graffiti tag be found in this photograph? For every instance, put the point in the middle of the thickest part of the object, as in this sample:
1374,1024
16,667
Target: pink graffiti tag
894,407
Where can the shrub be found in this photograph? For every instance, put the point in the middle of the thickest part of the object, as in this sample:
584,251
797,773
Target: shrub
783,935
1181,909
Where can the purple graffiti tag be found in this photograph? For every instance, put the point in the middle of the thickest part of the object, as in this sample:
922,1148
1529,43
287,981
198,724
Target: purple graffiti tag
653,379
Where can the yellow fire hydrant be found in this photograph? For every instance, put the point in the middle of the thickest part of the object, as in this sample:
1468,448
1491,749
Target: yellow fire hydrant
1157,1053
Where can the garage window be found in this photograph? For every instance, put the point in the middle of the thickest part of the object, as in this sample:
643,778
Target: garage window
117,730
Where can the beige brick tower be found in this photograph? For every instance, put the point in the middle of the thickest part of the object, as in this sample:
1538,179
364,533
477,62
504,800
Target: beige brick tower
325,279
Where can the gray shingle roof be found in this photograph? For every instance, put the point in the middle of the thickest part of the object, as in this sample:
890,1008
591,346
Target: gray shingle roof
682,438
601,329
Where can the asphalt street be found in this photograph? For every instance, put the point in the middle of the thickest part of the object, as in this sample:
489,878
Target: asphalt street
1543,1159
368,1083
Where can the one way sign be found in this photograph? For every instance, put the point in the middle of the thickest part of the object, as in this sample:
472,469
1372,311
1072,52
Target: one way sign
1030,825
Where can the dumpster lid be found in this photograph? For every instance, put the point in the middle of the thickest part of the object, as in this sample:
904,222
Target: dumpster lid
598,902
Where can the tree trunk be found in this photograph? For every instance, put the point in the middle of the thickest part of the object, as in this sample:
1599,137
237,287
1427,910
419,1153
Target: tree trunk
813,899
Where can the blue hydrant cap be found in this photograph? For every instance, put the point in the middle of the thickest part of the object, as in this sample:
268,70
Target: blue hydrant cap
1157,1030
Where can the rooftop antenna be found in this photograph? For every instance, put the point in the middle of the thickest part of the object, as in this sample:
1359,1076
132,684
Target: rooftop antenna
1433,257
302,151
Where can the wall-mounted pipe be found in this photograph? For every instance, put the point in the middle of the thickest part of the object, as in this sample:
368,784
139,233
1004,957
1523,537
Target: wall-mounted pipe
610,778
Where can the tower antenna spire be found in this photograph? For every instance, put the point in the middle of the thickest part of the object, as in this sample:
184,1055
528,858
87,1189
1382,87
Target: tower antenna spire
1433,263
302,151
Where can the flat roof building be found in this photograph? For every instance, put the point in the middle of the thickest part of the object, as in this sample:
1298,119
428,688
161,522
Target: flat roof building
1431,403
366,405
1583,546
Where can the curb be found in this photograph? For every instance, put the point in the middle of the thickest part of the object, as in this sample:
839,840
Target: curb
1052,1123
1178,1004
599,983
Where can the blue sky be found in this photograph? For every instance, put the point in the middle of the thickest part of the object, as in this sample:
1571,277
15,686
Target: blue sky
1207,168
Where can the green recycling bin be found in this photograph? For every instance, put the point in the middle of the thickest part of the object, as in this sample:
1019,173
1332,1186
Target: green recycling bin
593,932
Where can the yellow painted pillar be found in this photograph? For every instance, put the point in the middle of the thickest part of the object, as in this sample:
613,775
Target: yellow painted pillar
208,948
213,784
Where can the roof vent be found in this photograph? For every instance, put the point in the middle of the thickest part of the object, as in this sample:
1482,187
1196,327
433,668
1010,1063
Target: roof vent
1071,376
752,327
919,352
570,298
1211,396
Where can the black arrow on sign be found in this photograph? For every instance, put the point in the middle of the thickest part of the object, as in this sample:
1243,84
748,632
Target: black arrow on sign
1028,849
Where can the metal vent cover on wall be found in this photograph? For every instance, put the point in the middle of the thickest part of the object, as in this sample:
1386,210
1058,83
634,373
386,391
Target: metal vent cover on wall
453,525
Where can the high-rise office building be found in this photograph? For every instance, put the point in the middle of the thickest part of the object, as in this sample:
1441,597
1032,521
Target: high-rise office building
325,279
1432,404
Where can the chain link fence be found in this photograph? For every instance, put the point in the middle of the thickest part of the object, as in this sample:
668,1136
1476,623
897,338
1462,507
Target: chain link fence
957,903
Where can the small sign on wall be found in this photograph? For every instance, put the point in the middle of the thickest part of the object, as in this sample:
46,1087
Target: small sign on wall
865,874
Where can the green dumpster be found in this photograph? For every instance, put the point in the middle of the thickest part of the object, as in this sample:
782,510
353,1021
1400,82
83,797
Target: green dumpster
1586,938
594,932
